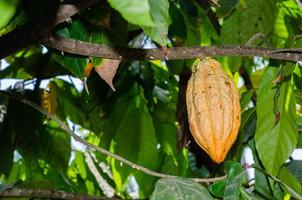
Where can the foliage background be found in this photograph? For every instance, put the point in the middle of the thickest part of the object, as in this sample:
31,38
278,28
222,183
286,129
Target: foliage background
145,119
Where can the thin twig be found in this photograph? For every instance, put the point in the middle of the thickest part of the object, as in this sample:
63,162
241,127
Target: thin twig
53,194
106,188
99,149
96,50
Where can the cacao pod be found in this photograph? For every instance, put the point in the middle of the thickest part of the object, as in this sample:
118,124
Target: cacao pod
213,108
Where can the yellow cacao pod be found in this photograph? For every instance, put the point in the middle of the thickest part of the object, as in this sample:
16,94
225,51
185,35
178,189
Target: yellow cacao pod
213,108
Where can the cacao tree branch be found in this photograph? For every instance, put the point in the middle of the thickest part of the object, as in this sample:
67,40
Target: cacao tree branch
95,50
53,194
40,26
99,149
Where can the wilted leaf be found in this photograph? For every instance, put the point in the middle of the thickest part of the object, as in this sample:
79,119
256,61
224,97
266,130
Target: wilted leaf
107,70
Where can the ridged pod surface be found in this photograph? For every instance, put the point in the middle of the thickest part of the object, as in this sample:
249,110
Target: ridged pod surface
213,108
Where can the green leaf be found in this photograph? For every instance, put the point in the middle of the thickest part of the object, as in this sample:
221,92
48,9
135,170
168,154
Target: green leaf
249,120
137,12
276,137
18,172
20,19
160,14
174,161
245,99
52,145
133,136
288,22
262,185
85,32
244,195
80,164
217,188
235,173
226,7
295,167
257,16
7,10
179,188
278,193
289,179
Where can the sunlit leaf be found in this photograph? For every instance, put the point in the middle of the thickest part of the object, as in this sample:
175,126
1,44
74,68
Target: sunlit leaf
160,15
131,9
7,10
276,136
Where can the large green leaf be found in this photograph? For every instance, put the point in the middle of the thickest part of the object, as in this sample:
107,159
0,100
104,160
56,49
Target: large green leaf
256,16
276,136
133,136
179,188
137,12
7,10
160,14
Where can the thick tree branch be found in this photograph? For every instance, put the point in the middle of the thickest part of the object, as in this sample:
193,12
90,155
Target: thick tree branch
40,26
54,194
90,49
99,149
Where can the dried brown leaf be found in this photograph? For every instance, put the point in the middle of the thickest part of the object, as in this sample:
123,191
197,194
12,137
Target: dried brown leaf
107,70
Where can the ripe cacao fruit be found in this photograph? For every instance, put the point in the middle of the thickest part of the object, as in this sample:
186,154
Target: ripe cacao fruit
213,108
